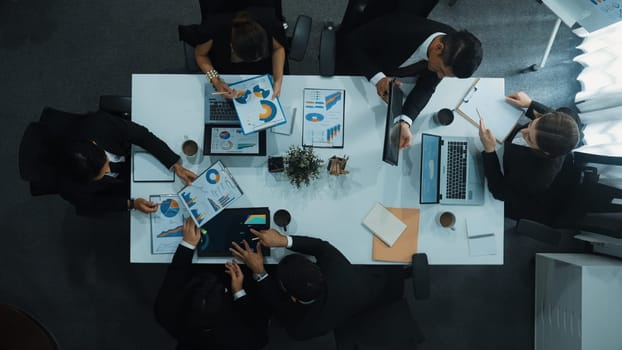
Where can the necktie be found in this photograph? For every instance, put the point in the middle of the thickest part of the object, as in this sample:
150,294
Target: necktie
411,70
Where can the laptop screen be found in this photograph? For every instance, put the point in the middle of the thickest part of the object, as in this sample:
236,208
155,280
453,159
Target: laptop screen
391,149
430,157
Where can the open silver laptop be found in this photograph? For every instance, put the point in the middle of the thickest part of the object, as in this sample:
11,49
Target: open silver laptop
451,171
219,110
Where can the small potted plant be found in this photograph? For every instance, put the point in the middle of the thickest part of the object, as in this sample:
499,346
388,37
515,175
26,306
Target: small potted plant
303,165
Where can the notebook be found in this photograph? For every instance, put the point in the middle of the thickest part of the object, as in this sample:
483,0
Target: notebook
383,224
451,171
391,148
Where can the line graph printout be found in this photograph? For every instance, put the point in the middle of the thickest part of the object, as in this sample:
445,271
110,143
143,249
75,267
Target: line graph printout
323,117
211,192
255,106
167,223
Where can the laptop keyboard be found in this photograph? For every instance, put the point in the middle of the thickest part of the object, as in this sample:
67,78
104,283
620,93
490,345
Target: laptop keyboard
222,110
456,170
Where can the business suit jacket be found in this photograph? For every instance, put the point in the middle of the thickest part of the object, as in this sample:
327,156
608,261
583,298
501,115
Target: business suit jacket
524,185
115,135
348,292
383,44
242,327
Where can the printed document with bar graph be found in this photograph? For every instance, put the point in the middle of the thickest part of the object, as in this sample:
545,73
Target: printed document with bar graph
211,192
323,117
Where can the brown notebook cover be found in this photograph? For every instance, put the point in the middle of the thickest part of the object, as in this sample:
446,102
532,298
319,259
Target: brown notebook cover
406,245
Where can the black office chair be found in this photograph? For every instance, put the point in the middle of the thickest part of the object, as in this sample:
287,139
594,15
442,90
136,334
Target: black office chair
390,326
359,12
40,147
22,331
296,44
584,202
121,106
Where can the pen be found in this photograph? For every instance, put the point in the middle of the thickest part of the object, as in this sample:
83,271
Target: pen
219,93
254,238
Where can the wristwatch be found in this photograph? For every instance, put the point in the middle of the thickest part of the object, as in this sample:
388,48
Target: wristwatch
260,276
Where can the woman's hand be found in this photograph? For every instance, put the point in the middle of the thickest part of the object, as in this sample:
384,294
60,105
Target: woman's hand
277,88
519,99
221,86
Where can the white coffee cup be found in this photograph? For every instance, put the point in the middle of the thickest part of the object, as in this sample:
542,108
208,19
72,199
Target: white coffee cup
191,150
446,219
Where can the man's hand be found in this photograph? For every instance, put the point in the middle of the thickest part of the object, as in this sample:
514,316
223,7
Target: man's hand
382,87
519,99
254,260
184,174
405,136
276,86
192,234
145,206
486,136
221,86
237,277
270,238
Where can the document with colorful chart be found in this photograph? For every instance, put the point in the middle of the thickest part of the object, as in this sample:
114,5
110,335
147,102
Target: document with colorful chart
323,116
167,223
211,192
255,106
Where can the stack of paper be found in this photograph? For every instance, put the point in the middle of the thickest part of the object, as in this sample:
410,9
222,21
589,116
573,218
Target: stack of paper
384,224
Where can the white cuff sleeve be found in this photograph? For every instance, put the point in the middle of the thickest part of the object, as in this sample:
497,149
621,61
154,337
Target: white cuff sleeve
376,78
237,295
188,245
403,118
290,241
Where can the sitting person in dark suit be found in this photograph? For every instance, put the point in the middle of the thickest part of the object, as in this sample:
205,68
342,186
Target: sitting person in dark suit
248,42
310,299
404,45
534,154
200,312
96,171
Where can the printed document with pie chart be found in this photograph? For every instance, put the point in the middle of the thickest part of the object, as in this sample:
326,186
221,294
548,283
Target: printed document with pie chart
167,223
323,111
211,192
255,106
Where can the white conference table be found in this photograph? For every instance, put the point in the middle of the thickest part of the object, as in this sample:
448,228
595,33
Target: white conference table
331,208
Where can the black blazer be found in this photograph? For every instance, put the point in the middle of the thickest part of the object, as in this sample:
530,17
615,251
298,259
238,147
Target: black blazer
218,28
527,175
116,136
348,292
244,326
383,44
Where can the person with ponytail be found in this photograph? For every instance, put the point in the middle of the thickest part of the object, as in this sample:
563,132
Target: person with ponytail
534,154
247,42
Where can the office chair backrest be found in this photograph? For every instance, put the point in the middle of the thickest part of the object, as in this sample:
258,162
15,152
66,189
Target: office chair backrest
118,105
295,46
40,149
